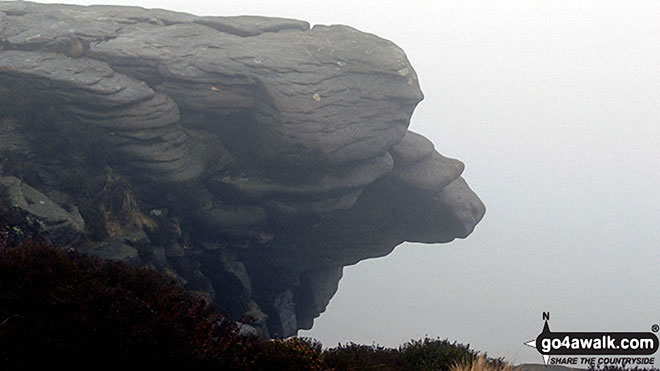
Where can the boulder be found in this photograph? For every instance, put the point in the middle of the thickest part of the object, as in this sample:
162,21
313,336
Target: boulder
44,217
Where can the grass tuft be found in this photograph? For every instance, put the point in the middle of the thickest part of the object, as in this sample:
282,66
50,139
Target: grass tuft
482,363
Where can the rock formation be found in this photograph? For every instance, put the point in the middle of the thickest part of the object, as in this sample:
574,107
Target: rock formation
248,158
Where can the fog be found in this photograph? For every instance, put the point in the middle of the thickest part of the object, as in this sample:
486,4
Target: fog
554,107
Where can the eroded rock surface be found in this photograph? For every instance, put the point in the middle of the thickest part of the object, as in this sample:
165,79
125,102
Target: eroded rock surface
248,158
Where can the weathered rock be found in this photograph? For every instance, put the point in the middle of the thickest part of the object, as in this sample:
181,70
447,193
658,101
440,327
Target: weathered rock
418,165
284,322
251,25
314,293
113,250
411,148
251,157
45,217
247,330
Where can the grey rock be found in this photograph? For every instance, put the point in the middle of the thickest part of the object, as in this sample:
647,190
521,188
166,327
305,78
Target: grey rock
282,93
41,213
113,250
464,206
247,330
432,174
411,148
284,324
251,25
229,274
157,257
340,186
257,156
142,125
417,164
228,219
174,250
314,293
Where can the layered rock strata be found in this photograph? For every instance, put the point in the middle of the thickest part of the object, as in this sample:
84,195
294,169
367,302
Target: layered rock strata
248,158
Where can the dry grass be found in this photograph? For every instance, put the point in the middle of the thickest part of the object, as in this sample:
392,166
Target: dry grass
481,364
119,207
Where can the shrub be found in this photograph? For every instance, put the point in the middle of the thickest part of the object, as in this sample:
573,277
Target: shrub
362,357
63,308
426,354
435,354
60,308
291,354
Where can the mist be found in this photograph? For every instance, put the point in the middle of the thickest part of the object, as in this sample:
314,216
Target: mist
553,106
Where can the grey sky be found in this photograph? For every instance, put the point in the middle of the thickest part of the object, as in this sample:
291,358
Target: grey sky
554,106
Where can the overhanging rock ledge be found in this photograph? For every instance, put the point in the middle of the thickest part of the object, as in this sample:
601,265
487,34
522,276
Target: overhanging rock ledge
248,158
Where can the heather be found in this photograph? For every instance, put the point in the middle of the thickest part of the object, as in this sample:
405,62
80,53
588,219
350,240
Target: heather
59,307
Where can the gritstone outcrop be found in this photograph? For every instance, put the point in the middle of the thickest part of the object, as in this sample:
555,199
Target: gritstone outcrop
248,158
